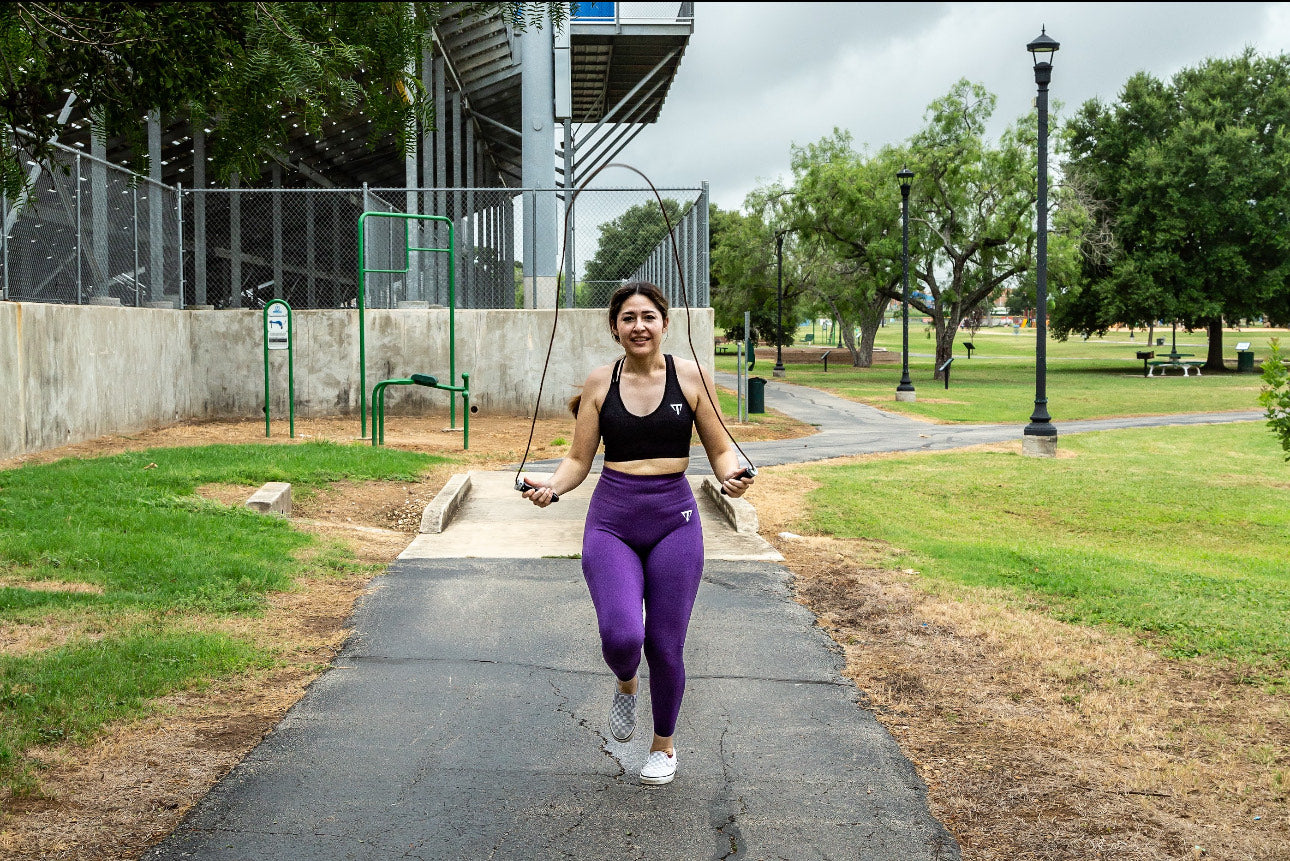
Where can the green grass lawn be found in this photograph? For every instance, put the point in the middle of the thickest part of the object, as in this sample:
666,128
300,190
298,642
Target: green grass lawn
159,559
1181,535
1097,378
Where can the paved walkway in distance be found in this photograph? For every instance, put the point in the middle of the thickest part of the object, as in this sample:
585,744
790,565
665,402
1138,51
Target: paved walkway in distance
850,428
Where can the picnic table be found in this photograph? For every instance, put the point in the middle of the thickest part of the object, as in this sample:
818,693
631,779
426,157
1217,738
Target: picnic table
1173,360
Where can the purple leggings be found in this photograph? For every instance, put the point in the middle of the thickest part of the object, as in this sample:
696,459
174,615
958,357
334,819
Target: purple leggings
643,546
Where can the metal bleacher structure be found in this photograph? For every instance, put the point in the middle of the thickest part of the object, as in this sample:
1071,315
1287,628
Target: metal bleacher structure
520,118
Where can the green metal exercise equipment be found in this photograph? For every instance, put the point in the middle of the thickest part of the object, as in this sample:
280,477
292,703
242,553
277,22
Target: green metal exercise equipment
363,272
378,403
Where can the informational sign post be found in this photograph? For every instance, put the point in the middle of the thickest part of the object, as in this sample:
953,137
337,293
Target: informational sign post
279,335
278,325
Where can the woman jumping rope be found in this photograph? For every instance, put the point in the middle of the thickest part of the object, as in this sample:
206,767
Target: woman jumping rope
643,544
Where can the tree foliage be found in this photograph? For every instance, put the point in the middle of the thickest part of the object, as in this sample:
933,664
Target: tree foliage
1190,180
975,202
626,242
843,208
746,269
1275,396
247,71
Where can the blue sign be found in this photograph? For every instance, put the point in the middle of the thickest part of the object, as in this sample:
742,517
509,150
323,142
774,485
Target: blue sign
594,11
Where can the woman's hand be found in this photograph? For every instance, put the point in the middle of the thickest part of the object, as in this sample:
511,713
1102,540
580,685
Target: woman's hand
735,483
539,494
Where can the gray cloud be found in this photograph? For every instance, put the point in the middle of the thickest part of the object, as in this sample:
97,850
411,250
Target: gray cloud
759,77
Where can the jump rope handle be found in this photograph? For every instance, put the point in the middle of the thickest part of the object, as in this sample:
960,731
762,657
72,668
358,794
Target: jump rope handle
747,472
521,485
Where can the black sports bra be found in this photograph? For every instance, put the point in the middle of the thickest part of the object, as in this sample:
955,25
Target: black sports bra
663,433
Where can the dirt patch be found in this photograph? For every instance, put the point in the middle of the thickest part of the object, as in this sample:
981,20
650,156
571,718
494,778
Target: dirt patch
1038,739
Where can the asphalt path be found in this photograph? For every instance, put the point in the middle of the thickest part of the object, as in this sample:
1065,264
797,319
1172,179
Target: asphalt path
466,720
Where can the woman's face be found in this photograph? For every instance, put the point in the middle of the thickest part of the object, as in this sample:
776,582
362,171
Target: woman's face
640,326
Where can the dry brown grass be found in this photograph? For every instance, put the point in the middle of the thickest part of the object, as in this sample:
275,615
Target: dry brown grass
1039,739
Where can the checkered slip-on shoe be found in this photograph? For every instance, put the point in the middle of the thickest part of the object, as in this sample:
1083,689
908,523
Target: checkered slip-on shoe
660,768
622,716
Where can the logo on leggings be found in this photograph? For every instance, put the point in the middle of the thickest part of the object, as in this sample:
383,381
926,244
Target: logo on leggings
686,514
676,408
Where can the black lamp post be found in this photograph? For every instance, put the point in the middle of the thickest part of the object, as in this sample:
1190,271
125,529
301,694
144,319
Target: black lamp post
1040,436
905,391
778,370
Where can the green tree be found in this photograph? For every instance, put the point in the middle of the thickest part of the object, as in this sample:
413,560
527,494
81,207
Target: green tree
744,271
247,71
844,208
975,204
626,242
1190,181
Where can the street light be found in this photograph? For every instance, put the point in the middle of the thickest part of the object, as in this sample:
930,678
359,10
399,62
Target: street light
1040,436
905,391
778,370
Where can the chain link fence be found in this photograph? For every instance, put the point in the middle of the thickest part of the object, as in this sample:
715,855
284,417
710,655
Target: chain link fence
302,245
92,232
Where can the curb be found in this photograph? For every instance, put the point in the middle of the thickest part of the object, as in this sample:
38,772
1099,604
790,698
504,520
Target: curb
739,512
439,513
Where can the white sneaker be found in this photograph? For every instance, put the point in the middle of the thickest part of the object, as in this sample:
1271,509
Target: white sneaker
660,768
622,716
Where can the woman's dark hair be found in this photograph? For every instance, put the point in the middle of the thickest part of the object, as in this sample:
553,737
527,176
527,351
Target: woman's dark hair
635,288
621,295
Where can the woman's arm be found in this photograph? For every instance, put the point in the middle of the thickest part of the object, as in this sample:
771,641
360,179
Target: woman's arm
716,442
573,470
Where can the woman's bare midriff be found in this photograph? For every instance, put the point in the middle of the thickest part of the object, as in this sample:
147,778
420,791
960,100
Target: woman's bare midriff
650,466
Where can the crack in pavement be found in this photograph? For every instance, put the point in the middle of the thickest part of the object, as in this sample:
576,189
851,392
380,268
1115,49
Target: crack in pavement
563,708
730,844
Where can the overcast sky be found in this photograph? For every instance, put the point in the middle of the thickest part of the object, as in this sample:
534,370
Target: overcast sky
758,77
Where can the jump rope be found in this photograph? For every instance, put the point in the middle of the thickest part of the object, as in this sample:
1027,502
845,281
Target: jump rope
520,484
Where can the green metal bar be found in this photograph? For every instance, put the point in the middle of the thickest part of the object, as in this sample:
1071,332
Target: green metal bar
362,352
452,324
465,406
291,367
362,302
378,403
265,317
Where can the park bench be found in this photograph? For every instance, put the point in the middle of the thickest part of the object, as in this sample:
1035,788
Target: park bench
1184,365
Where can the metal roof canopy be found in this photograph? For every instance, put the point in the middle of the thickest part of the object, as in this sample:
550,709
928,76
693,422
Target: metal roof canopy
621,69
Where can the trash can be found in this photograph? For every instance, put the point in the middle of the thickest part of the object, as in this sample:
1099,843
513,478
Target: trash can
756,395
1245,361
1160,342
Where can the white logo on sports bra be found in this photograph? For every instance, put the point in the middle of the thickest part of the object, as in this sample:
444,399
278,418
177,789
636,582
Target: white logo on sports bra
677,408
686,514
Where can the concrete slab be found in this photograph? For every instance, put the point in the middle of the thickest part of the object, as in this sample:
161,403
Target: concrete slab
466,720
273,497
495,522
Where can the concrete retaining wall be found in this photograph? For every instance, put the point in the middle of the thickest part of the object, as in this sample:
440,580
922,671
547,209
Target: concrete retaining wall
70,373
